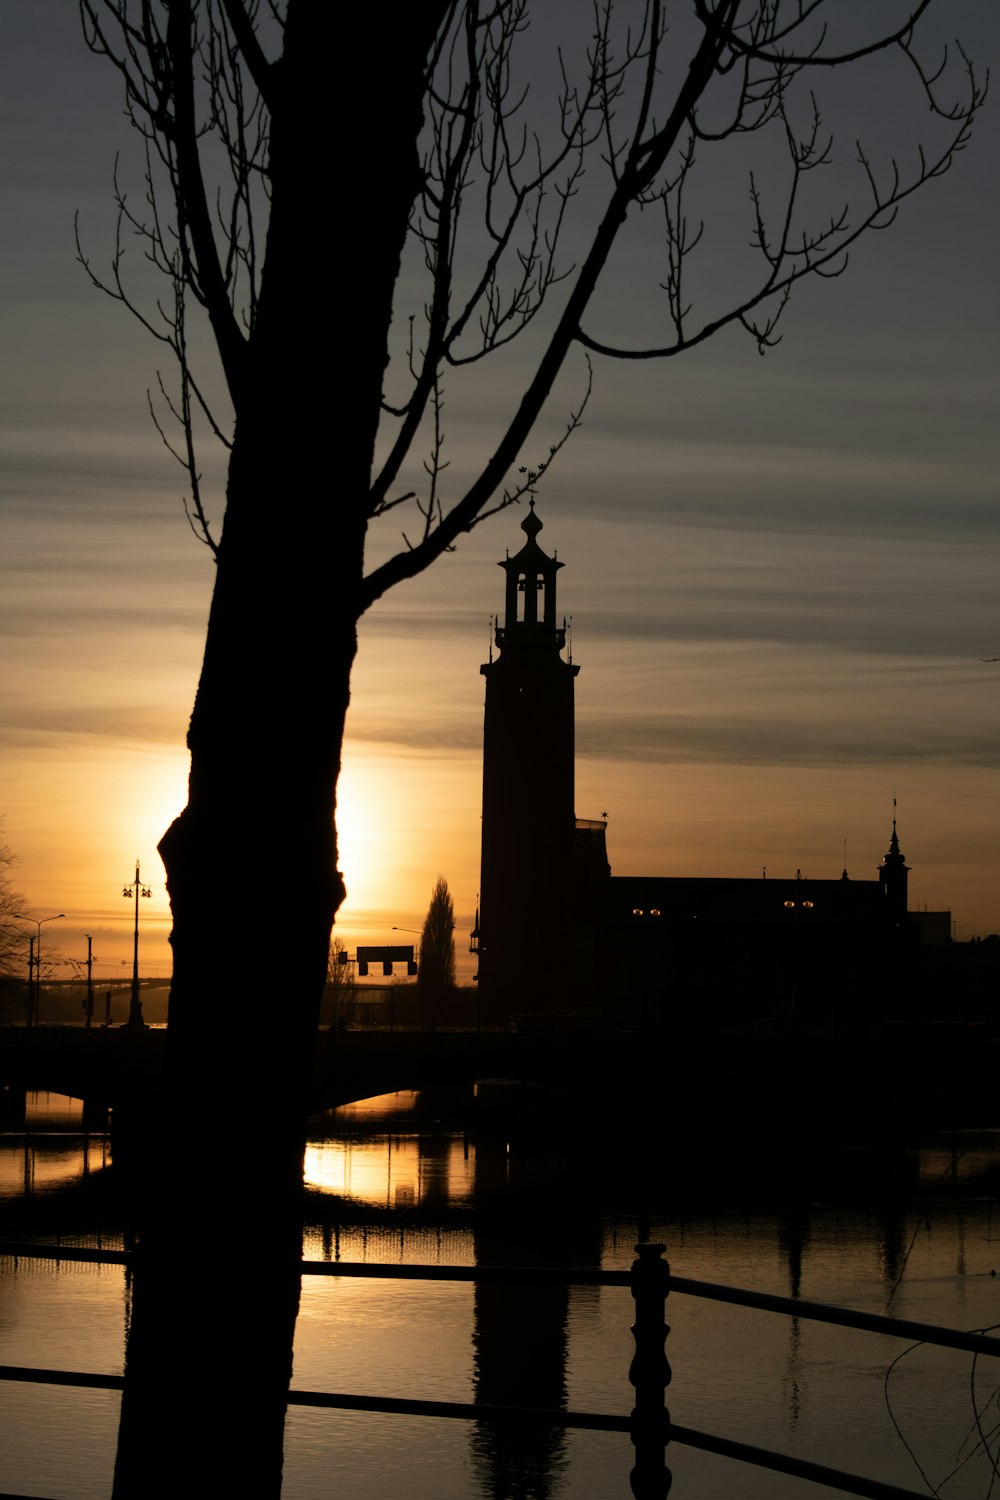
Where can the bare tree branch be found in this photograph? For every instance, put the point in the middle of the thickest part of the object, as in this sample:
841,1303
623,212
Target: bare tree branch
486,163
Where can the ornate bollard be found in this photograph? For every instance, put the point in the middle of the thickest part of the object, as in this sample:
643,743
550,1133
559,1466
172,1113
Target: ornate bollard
649,1372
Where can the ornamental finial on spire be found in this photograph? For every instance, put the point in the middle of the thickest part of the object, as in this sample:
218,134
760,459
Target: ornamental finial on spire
531,525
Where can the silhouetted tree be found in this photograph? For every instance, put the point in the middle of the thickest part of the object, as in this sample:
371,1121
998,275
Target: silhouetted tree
278,137
337,976
436,970
339,983
13,936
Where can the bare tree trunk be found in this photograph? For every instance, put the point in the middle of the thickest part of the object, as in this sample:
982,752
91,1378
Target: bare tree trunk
209,1354
217,1286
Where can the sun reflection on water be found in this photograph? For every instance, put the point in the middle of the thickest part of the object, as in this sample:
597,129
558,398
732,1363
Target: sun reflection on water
391,1171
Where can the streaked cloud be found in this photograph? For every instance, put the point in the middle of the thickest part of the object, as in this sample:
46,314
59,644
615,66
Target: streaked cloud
786,742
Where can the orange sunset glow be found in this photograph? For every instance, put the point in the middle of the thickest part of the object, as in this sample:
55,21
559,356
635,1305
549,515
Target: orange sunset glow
709,758
781,575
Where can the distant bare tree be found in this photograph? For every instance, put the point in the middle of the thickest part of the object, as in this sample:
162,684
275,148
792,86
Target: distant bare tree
13,937
339,982
337,972
400,138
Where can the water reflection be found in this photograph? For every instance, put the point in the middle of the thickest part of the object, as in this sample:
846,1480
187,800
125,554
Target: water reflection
49,1150
525,1216
391,1171
420,1179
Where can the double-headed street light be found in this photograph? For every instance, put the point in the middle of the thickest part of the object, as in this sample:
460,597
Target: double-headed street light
136,889
35,961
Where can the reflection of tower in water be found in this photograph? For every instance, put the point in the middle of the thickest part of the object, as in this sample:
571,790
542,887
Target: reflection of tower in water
892,1251
793,1240
434,1175
524,1216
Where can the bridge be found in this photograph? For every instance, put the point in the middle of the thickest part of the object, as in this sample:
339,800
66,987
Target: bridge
937,1077
122,1066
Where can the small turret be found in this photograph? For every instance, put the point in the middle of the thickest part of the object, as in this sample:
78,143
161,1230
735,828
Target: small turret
530,605
892,873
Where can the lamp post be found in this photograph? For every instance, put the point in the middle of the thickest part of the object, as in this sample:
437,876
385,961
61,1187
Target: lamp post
392,1008
136,889
420,932
35,957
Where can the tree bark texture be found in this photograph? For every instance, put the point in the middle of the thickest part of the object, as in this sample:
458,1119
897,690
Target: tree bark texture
251,861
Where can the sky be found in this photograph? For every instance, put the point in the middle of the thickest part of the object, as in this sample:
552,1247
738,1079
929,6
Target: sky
781,571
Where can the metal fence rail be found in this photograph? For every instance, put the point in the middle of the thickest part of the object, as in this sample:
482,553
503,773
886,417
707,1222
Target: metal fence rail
648,1425
820,1312
795,1307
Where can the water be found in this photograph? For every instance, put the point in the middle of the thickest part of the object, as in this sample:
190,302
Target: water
391,1182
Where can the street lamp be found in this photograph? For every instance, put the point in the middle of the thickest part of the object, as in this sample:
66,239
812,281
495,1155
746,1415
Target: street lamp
419,930
136,889
35,956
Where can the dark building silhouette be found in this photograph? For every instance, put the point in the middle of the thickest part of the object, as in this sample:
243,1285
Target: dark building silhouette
528,780
557,934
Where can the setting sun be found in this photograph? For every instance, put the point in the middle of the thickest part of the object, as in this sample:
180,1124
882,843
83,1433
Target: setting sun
404,819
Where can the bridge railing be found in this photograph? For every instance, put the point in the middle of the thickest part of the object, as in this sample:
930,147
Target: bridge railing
648,1425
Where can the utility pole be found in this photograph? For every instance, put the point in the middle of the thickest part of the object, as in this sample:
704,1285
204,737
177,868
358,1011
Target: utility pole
90,978
31,976
135,1005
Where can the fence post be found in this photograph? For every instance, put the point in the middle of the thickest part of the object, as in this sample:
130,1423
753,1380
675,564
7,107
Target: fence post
649,1372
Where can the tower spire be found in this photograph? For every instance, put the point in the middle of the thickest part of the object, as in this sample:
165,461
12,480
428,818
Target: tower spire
893,871
530,606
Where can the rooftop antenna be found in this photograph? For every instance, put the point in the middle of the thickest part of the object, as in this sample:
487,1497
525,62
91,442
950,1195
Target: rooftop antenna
568,627
491,639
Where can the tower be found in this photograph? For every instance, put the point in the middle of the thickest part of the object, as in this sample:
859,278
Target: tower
528,808
892,873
